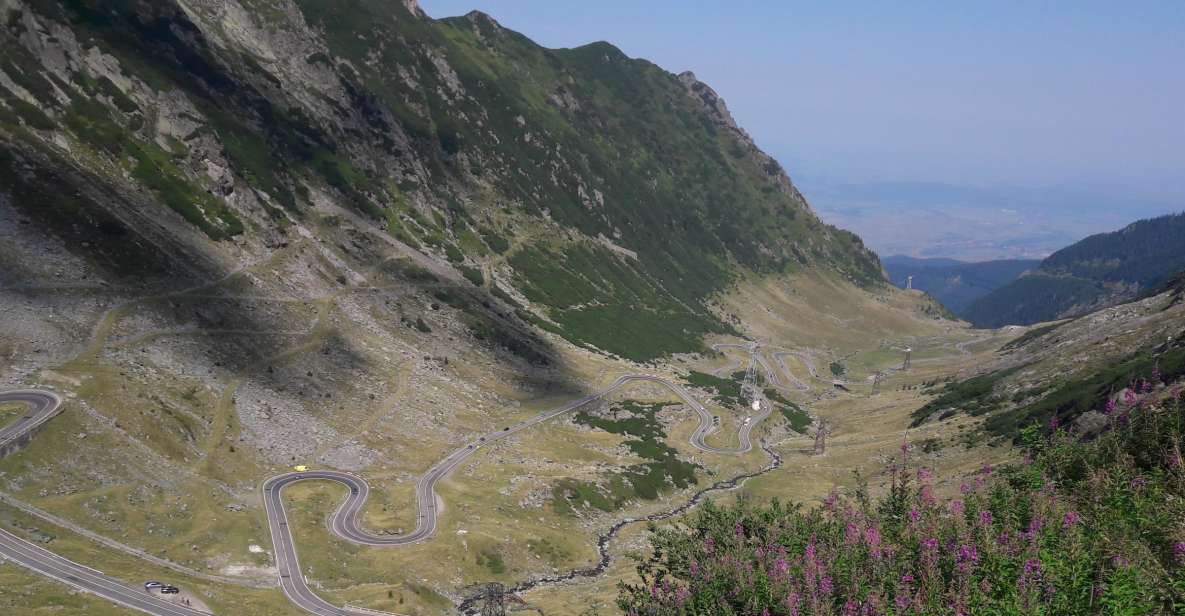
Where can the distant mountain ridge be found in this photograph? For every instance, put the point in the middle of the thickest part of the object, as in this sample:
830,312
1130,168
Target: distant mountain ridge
957,284
1101,270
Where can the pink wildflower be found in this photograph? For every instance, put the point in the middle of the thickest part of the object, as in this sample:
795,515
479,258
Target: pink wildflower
851,534
1070,519
791,604
985,518
956,507
872,537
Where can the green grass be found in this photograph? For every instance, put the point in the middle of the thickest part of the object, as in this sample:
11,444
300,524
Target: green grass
1073,397
726,391
153,168
975,395
647,480
798,418
474,275
1031,335
491,559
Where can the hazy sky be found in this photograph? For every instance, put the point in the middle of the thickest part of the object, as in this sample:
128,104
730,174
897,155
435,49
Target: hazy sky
1031,125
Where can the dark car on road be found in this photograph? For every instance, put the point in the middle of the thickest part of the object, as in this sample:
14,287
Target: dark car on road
169,590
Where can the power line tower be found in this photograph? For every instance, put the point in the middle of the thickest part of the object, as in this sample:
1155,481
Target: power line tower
821,437
906,364
491,596
749,388
493,599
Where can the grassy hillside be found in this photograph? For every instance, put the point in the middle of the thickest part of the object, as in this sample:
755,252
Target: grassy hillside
1098,271
1071,372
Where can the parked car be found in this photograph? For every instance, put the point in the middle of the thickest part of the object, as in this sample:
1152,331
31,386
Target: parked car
151,585
169,590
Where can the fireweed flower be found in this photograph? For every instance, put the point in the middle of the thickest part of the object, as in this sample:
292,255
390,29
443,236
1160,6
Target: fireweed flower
1110,406
1129,397
1179,552
1138,483
1070,519
791,603
872,537
851,534
956,507
968,554
985,518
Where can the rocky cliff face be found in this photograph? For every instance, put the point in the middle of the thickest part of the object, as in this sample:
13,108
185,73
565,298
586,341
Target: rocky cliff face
588,189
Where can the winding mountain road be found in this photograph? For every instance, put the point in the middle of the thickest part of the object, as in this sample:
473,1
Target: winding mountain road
43,405
343,522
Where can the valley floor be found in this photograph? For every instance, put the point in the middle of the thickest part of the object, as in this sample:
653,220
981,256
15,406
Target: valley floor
178,405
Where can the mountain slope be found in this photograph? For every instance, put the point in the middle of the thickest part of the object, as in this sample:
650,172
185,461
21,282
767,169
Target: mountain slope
1099,271
1066,372
549,169
955,284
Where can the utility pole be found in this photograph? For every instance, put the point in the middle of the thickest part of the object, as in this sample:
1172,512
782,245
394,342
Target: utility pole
749,388
821,437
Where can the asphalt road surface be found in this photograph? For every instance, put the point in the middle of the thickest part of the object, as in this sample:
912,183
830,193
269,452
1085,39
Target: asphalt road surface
43,405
